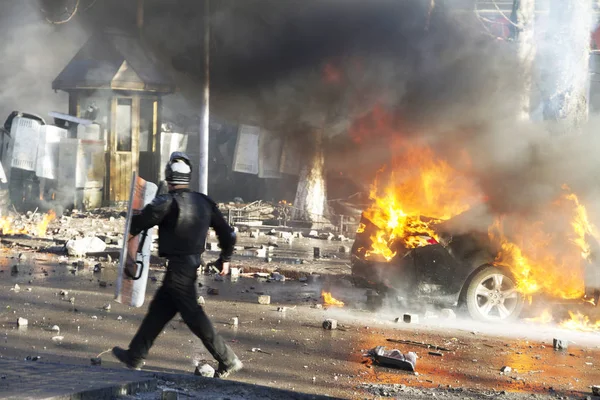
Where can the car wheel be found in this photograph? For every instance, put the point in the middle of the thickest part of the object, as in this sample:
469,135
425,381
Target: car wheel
492,296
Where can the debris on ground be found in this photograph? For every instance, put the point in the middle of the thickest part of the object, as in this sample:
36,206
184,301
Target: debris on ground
394,358
330,324
264,299
205,370
89,244
506,370
560,344
96,361
22,322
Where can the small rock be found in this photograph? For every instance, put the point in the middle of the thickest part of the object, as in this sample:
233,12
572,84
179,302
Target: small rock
235,321
16,288
281,309
55,328
278,277
205,370
213,291
235,272
72,300
330,324
22,322
119,318
344,249
560,344
96,361
107,307
410,318
302,279
64,293
506,370
57,338
102,283
94,317
201,300
264,299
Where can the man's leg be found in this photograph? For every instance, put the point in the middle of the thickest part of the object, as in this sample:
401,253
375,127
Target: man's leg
161,311
199,323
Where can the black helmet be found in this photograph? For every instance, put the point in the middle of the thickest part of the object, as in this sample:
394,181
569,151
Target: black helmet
178,170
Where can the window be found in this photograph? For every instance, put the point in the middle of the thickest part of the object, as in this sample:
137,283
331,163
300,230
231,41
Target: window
147,124
123,125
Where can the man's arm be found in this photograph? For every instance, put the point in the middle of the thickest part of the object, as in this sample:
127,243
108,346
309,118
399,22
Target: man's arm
225,233
152,214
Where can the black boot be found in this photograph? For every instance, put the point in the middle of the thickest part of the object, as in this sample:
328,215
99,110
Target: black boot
225,370
124,356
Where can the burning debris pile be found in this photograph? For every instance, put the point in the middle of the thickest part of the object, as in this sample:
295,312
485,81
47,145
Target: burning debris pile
31,224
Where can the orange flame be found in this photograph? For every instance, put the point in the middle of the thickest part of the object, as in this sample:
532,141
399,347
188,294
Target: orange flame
406,209
43,225
580,322
544,318
8,226
544,259
328,299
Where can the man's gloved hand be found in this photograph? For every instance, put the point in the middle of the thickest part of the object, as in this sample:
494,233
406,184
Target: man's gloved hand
219,266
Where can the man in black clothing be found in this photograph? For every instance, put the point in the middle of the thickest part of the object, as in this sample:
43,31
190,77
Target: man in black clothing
183,218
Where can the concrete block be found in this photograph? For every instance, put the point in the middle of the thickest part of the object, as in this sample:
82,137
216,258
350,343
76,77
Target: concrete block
330,324
410,318
264,299
560,344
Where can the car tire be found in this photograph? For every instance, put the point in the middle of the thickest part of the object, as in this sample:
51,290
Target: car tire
492,296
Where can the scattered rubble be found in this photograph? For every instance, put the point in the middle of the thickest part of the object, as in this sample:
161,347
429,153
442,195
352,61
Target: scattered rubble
394,358
96,361
410,318
506,370
201,300
22,322
80,247
330,324
560,344
264,299
205,370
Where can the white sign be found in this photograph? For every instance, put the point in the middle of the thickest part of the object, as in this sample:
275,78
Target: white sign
47,151
290,162
269,159
245,158
23,147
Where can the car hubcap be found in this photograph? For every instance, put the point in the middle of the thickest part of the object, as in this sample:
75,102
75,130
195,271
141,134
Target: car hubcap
497,297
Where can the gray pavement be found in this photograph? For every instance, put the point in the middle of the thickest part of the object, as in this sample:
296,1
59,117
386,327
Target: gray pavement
20,379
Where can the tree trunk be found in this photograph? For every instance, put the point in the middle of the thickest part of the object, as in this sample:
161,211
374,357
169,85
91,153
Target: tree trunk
523,17
566,63
310,201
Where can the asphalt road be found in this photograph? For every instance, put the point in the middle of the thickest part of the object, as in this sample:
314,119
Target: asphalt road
295,351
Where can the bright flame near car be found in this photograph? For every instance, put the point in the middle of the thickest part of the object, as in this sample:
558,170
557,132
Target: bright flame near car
544,318
580,322
328,299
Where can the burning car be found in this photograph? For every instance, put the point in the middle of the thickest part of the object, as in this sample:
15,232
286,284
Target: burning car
443,264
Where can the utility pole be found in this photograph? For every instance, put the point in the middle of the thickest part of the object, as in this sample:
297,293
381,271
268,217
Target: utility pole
205,113
523,20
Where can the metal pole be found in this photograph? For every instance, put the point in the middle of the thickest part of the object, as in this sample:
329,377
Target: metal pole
204,121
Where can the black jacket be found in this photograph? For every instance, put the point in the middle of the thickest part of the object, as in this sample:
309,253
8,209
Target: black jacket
183,218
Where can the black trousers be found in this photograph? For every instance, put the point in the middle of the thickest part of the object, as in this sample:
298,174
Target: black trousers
178,294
